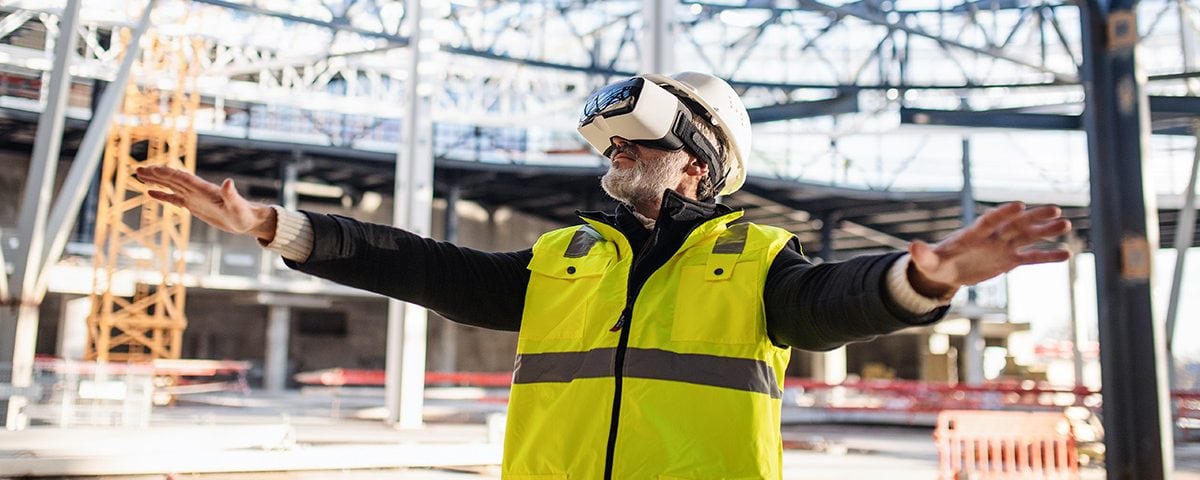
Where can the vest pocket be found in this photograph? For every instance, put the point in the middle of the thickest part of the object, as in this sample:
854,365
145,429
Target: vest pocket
719,304
557,298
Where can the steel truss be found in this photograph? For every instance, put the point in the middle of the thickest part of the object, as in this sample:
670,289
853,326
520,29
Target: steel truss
820,75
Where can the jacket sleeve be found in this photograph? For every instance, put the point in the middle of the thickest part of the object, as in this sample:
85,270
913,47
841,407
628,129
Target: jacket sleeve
467,286
822,307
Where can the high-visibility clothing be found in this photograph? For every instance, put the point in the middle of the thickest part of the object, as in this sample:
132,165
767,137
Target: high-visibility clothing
677,380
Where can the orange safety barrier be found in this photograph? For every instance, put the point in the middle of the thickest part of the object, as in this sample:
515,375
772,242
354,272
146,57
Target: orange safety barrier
975,444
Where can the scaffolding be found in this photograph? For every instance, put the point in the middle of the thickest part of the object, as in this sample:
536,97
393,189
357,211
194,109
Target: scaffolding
137,237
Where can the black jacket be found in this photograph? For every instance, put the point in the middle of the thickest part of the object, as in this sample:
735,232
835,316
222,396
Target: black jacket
812,307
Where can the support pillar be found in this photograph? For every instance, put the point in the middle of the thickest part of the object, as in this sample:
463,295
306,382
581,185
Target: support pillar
275,365
829,367
658,36
974,343
19,321
72,328
43,232
448,341
1077,337
1132,345
404,381
22,325
1183,241
1184,229
288,199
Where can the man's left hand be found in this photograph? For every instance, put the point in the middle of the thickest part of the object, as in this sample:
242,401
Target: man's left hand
997,242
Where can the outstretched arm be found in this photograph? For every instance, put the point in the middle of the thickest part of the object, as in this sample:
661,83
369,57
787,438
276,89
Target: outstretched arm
219,206
478,288
997,242
821,307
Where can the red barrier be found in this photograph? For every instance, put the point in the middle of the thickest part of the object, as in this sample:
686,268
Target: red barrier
1005,445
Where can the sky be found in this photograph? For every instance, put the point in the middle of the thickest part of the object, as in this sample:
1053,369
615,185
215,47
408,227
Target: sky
1038,295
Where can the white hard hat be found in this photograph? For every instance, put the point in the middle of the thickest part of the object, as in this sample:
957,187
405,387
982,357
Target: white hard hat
725,109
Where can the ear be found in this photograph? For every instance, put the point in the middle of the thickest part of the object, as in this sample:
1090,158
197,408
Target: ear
696,168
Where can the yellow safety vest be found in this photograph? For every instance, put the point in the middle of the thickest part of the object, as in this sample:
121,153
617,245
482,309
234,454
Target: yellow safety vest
696,380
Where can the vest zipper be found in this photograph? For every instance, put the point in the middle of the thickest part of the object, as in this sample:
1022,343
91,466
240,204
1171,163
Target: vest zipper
621,320
622,325
619,362
618,377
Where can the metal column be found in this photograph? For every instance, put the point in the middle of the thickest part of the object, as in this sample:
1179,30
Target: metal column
448,341
974,342
1183,241
275,365
1075,244
829,367
404,383
658,36
1131,342
72,328
279,314
18,323
41,239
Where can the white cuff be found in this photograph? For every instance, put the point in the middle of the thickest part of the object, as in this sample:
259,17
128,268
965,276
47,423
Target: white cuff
903,293
293,235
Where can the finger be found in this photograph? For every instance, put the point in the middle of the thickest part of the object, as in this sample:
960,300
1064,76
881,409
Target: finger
1043,231
170,198
1018,230
158,175
229,192
988,223
1043,256
179,181
923,255
147,175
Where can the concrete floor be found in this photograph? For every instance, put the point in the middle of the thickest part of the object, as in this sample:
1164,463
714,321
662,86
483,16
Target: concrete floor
334,435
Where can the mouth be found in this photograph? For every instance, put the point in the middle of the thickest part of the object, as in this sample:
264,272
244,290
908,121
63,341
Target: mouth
623,157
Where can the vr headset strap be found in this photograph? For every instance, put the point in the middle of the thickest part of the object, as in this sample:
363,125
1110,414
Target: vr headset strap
695,142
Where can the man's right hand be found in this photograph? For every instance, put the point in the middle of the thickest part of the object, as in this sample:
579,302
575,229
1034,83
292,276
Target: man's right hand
219,206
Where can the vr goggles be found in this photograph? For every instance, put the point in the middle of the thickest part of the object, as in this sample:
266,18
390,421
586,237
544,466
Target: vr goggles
647,114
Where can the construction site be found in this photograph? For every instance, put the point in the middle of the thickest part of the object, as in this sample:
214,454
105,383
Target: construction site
140,341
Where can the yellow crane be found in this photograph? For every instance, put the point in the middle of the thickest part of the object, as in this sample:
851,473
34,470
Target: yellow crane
136,235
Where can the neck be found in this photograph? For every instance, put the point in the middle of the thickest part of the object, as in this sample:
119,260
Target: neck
649,208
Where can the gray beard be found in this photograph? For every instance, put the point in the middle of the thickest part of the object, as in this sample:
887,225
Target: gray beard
645,183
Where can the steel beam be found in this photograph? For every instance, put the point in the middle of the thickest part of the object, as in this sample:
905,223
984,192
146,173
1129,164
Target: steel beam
1171,104
18,326
87,157
857,11
990,119
1161,107
448,340
844,103
275,365
1184,228
335,26
1076,245
658,36
1131,342
404,382
39,185
4,294
973,343
829,366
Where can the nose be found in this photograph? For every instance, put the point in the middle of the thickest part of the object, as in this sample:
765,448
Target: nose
619,141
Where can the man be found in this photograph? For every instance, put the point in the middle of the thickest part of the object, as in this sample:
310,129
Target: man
653,340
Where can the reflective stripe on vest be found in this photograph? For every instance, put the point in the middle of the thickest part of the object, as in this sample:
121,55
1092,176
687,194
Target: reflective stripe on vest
737,373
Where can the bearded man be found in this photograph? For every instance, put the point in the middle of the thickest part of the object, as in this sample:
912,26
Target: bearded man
653,339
